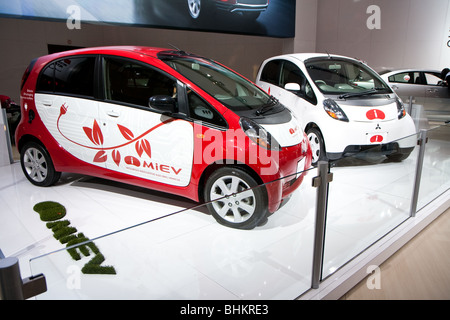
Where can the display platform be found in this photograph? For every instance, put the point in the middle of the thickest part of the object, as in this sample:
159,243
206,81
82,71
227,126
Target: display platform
188,255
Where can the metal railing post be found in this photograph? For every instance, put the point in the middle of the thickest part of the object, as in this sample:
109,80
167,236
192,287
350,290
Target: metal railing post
13,287
10,280
321,183
415,198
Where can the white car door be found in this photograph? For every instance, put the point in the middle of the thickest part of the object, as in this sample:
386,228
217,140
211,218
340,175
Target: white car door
65,103
139,141
285,81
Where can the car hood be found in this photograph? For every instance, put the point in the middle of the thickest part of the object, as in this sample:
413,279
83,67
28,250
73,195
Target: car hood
370,110
280,123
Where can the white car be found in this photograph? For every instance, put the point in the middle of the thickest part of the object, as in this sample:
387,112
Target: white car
344,105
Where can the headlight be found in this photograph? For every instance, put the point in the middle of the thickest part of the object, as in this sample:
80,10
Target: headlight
258,134
334,111
401,111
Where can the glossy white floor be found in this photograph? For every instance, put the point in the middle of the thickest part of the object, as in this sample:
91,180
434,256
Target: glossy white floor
188,255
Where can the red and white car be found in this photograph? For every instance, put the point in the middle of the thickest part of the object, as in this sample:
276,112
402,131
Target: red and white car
165,120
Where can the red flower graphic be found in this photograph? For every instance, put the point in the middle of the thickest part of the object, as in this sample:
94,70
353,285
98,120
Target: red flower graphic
116,156
94,134
100,156
143,146
126,132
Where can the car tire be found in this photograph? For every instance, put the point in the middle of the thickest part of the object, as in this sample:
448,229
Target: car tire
317,145
194,8
37,165
230,205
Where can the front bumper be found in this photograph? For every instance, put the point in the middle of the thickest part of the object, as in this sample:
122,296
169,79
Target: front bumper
293,169
381,149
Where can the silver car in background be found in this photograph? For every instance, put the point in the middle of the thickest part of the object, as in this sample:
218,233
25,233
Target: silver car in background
424,87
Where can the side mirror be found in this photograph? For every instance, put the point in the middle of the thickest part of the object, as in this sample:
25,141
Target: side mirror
162,104
292,86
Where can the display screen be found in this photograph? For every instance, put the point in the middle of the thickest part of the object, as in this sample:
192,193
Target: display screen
274,18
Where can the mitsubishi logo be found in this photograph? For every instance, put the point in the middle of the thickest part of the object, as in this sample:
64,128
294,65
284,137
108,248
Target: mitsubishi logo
378,127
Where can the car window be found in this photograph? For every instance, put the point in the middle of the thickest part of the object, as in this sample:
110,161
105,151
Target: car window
134,83
432,78
199,109
271,72
46,81
226,86
72,75
342,76
407,77
291,73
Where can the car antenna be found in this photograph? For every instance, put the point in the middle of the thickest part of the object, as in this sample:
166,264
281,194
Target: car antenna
176,48
329,57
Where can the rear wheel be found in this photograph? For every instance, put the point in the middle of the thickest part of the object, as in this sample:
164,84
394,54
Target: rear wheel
235,199
37,165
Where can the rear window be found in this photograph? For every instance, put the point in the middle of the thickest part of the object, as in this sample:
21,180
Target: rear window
71,76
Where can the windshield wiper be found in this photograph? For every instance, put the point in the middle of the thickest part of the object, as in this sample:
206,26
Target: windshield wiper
268,106
360,94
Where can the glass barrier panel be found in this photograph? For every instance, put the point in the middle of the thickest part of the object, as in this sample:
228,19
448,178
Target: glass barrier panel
369,196
176,250
435,178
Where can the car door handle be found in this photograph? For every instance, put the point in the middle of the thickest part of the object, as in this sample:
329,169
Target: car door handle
113,114
432,90
47,103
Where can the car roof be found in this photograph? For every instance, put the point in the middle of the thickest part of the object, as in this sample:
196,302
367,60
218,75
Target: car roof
114,50
391,72
305,56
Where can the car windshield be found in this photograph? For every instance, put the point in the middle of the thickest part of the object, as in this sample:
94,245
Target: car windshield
229,88
345,78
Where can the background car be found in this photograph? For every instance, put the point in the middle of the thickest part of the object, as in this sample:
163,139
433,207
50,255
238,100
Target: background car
12,114
249,8
165,120
425,87
344,105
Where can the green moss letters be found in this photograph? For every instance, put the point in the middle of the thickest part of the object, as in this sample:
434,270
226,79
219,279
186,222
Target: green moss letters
52,213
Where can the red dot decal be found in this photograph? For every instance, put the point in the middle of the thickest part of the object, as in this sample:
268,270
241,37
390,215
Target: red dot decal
375,114
376,138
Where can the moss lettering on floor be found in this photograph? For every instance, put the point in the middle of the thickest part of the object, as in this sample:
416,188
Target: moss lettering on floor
52,213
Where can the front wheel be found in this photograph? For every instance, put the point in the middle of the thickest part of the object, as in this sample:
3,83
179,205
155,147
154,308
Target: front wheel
37,165
195,8
317,145
235,199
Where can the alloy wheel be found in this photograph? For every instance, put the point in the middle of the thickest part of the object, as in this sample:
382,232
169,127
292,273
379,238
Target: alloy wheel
194,8
233,200
35,165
